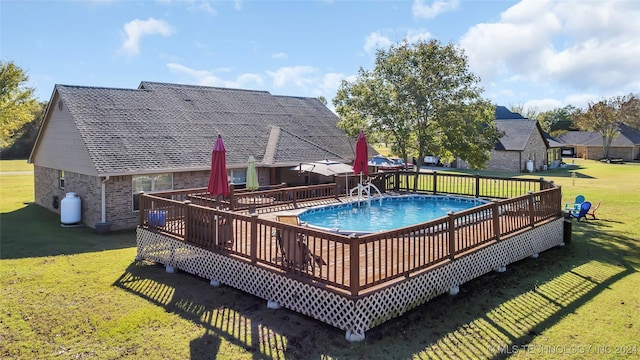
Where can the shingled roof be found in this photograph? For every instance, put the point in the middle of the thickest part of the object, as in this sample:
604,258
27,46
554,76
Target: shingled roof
516,133
169,127
627,136
502,113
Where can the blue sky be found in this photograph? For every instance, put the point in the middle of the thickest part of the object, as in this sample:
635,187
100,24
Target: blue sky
536,53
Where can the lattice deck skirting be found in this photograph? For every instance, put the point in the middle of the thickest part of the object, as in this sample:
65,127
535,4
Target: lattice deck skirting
353,316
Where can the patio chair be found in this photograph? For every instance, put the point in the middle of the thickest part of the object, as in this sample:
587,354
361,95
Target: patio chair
225,235
295,252
293,245
576,203
582,213
592,212
289,219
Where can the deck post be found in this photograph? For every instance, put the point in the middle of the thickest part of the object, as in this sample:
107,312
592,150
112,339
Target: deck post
397,180
142,206
253,249
435,182
232,189
452,235
532,219
496,219
187,227
354,264
477,185
294,198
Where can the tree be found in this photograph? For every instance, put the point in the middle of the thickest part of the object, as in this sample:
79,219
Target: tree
630,113
23,139
423,97
323,100
17,102
605,115
558,120
530,113
363,105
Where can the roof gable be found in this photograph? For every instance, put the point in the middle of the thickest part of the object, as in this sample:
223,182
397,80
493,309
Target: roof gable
517,133
63,147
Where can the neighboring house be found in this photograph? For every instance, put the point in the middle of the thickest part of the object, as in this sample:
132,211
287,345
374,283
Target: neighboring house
523,147
523,142
108,144
589,144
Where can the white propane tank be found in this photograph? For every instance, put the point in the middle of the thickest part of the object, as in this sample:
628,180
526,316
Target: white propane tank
530,166
70,209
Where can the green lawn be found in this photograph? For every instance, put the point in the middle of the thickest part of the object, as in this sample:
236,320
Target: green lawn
70,293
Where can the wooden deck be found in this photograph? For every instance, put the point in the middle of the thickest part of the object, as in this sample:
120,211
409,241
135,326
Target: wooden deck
380,260
353,262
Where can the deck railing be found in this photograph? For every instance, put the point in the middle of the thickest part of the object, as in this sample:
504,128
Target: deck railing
462,184
355,263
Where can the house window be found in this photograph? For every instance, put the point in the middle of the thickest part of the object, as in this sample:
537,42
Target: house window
237,176
150,183
61,178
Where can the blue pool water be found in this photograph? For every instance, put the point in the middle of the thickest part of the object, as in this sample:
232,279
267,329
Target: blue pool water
386,214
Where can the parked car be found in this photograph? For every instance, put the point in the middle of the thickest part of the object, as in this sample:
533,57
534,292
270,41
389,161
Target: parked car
400,163
431,160
384,163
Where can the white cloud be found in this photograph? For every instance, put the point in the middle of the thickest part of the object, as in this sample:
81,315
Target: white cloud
306,81
328,85
543,105
294,81
201,77
581,100
298,76
375,41
247,80
137,28
206,7
416,35
208,78
384,39
584,46
421,10
280,55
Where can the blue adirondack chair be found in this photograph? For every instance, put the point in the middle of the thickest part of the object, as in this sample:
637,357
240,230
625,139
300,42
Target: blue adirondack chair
582,213
576,203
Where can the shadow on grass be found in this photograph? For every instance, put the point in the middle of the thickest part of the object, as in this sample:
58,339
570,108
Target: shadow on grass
33,231
568,173
490,315
224,312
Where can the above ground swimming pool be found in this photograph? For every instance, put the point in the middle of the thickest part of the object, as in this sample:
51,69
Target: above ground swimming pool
382,214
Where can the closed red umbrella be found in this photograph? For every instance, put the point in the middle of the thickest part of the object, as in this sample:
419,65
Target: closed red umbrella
218,181
362,156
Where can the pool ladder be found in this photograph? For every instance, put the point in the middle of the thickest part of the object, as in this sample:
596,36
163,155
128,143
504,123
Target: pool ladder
365,189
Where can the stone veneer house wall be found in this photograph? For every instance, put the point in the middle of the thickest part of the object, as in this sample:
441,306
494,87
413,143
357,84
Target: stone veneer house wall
523,140
106,144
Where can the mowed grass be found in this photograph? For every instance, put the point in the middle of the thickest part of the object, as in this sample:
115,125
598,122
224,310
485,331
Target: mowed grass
70,293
